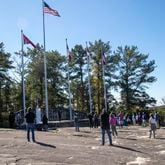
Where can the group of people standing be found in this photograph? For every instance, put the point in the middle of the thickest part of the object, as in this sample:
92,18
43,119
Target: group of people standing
93,120
16,120
108,123
30,120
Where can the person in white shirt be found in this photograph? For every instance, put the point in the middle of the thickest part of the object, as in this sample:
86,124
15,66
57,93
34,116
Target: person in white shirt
152,123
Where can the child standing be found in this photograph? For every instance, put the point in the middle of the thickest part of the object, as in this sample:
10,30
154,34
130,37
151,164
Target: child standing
112,122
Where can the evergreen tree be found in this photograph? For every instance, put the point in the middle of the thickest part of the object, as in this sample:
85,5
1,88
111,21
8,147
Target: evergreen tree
134,75
78,76
5,66
35,79
97,49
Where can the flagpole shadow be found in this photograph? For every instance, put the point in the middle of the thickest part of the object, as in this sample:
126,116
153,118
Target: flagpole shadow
45,144
127,148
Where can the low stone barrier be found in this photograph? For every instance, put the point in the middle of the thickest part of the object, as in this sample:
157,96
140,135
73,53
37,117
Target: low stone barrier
63,123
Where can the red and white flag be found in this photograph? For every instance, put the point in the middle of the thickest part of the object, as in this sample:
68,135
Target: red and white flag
69,53
103,58
26,40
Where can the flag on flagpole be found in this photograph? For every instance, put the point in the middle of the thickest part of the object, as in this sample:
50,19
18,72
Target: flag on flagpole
69,92
47,9
103,58
69,53
103,63
26,40
88,53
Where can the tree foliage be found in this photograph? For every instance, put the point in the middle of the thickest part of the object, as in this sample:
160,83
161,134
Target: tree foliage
126,71
78,77
5,80
35,78
134,73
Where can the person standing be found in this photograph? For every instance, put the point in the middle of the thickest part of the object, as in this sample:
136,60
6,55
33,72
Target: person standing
18,120
152,122
59,115
105,127
112,122
90,116
120,115
45,122
157,120
143,119
96,120
76,122
133,118
30,120
11,119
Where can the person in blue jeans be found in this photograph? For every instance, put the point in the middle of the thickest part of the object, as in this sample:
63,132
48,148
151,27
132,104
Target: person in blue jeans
30,120
105,127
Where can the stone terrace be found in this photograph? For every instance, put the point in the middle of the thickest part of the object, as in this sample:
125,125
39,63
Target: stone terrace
64,146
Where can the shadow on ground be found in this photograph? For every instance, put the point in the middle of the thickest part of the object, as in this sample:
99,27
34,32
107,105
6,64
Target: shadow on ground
127,138
45,144
127,148
161,138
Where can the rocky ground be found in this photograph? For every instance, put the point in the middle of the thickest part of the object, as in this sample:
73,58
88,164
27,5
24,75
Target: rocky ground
65,146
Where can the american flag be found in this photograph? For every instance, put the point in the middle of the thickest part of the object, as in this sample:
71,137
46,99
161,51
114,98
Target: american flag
26,40
47,9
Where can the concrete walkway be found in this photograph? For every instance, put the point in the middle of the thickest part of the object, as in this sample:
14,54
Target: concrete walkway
64,146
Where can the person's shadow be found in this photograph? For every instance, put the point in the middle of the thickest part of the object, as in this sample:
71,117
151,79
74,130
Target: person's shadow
160,138
45,144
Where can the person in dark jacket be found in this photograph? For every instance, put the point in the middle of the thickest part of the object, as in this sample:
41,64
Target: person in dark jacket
11,119
30,120
90,116
59,115
45,122
96,120
104,123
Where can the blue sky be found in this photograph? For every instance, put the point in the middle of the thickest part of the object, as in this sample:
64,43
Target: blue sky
122,22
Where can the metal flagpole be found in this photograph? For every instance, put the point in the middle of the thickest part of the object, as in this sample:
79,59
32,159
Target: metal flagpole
105,95
89,78
23,72
45,63
70,106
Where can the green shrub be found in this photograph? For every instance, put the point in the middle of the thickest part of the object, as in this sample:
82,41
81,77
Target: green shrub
4,120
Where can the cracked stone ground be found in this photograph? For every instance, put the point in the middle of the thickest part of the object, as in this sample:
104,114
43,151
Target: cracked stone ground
64,146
